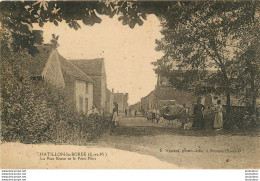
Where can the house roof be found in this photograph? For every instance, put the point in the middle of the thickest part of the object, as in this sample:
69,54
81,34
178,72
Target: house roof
40,59
70,69
91,67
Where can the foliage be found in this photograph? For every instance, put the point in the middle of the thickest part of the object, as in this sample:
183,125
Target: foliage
35,112
203,36
54,40
242,119
247,62
18,17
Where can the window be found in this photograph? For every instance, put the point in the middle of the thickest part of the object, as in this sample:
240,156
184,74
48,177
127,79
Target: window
86,88
80,103
86,103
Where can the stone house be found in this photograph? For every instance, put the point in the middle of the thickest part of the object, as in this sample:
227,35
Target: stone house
95,69
48,65
122,100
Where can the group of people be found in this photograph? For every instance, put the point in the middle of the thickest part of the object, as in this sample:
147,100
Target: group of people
183,115
130,112
198,113
199,119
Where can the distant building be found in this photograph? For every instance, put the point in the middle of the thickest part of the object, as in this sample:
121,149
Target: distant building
48,65
95,69
149,102
164,91
109,101
122,100
137,106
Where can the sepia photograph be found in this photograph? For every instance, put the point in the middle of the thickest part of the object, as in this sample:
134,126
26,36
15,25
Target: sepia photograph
119,84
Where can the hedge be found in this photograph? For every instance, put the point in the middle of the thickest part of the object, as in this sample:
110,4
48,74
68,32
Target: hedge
35,112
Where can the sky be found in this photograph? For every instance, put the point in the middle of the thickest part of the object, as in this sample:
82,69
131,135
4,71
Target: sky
127,52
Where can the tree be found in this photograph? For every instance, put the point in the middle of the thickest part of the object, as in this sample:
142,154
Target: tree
204,37
54,40
248,56
18,17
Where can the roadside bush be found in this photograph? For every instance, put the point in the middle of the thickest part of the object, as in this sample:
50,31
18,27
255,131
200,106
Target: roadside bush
240,119
35,112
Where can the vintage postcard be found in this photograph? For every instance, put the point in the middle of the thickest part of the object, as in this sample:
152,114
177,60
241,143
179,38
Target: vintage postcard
130,84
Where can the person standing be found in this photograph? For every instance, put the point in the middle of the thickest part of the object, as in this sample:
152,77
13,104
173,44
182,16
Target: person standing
94,110
198,116
153,115
126,111
157,116
218,121
115,114
184,116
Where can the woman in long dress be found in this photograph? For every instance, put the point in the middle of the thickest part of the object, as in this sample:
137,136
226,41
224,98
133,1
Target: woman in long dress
218,121
184,116
115,114
198,122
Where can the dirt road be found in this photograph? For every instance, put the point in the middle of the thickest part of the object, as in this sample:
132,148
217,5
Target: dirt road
189,148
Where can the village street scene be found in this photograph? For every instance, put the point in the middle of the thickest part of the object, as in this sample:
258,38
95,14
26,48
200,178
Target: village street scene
148,84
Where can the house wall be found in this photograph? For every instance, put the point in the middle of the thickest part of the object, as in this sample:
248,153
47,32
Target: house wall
99,92
89,96
80,88
83,96
52,71
103,92
109,102
118,98
125,103
111,106
70,87
121,99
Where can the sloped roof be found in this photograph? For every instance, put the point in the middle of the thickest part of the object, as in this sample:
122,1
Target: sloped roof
40,59
70,69
91,67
